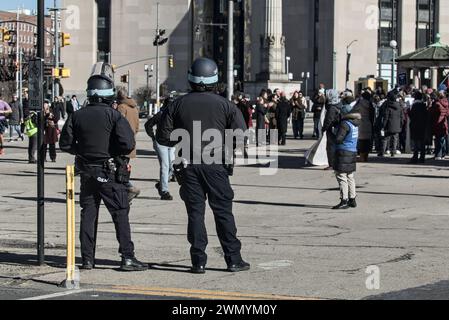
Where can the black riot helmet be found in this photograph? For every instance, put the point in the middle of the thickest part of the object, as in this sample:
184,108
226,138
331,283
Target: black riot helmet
203,75
100,86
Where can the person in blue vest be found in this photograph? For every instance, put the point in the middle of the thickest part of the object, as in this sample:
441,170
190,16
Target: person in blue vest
345,162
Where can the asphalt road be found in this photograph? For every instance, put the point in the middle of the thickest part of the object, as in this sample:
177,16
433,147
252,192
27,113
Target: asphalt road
298,247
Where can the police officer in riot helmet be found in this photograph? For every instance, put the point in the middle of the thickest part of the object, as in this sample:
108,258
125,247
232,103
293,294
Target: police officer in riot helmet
100,137
202,109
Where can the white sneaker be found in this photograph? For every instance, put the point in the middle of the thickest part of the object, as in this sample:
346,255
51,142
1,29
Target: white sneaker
398,153
387,154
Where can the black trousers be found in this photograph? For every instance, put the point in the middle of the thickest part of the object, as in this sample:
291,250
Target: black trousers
298,127
115,198
330,148
420,149
210,182
32,147
52,149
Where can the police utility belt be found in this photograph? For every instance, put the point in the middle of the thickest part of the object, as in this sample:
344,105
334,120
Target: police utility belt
115,169
180,166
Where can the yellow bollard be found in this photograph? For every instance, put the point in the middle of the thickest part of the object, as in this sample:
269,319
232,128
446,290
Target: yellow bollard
71,282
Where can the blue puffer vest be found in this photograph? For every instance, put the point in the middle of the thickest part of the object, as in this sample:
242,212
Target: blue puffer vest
350,142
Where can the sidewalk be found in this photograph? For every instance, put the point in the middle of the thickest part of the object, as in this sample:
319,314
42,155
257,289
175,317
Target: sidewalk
297,246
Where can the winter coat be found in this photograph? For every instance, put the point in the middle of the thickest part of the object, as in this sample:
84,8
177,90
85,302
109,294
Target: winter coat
283,112
318,106
51,128
246,111
332,118
439,113
299,108
59,110
261,112
17,113
271,114
346,161
70,109
128,108
418,116
368,113
391,117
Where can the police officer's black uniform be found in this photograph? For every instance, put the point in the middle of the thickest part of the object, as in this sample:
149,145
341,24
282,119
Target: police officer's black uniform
96,135
200,181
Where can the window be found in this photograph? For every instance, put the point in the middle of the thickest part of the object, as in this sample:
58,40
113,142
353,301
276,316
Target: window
425,24
388,28
104,30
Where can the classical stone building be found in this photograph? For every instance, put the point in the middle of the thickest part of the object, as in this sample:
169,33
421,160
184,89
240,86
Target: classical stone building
313,34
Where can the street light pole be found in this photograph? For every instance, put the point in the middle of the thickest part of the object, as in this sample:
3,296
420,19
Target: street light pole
348,63
393,45
17,50
56,12
305,76
334,81
158,89
147,71
40,141
230,49
20,77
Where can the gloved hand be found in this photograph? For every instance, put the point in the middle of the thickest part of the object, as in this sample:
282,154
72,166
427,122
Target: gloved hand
230,169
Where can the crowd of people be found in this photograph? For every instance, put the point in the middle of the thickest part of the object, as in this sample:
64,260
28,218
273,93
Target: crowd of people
404,119
22,121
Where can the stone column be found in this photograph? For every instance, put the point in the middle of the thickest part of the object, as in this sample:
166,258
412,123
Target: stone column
273,44
434,76
416,78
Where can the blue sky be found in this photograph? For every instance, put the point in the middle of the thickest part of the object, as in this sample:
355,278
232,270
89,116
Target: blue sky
29,4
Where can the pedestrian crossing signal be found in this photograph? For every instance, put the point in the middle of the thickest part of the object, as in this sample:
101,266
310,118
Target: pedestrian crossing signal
124,79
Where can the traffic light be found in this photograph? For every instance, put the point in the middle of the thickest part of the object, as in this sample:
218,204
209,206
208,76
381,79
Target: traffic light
171,62
64,73
6,35
60,73
65,39
124,78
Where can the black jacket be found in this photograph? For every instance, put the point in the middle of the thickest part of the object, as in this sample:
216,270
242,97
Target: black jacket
244,107
346,161
153,122
319,103
261,112
97,132
391,117
419,117
59,110
209,110
332,118
17,113
283,112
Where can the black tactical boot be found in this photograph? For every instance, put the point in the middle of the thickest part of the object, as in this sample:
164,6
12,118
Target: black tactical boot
133,265
199,269
87,265
239,267
342,206
352,203
166,196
